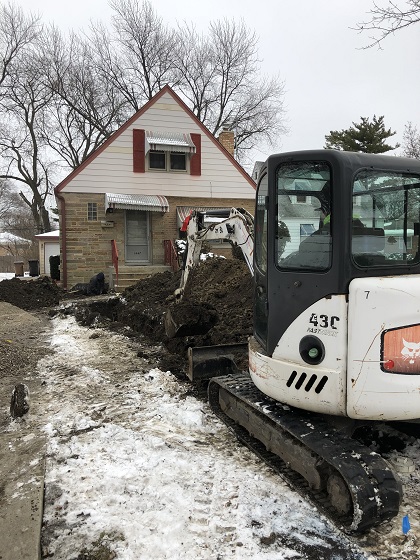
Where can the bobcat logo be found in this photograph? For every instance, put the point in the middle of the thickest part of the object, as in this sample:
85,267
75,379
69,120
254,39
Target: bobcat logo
411,351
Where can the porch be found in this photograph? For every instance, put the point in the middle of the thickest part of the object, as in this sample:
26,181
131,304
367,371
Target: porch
130,275
121,277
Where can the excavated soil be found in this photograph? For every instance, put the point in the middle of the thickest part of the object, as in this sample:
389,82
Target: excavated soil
216,307
30,294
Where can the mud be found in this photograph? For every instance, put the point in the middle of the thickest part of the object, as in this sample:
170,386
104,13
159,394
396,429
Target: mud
216,309
31,294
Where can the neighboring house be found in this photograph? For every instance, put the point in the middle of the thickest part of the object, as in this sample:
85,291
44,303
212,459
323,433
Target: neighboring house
256,170
132,194
13,245
13,249
302,220
49,245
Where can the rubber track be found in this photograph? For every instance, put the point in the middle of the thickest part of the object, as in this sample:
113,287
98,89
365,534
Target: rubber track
375,491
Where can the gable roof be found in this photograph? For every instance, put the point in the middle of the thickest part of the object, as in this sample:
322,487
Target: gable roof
6,237
127,124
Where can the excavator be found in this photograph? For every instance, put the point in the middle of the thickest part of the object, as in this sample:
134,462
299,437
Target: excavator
334,254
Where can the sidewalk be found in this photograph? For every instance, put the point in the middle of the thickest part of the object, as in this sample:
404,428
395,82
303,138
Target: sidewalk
22,468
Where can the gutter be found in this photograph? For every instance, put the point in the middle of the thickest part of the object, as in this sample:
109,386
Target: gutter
63,233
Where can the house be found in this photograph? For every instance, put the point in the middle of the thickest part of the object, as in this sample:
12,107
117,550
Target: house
13,249
13,245
122,208
49,246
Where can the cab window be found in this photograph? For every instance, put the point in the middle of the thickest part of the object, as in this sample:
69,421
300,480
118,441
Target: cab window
304,216
385,219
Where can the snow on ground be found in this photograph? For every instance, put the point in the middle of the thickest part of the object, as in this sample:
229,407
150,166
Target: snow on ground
137,466
6,275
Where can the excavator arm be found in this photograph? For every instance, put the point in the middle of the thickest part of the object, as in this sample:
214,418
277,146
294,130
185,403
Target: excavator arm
236,225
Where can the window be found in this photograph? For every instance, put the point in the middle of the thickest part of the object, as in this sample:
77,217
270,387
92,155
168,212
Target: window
167,161
386,224
157,160
92,211
261,225
178,162
306,230
305,243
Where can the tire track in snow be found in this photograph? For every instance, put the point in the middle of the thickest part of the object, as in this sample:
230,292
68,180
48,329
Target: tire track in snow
131,454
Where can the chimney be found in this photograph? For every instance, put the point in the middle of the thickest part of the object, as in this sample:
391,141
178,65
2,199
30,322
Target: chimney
227,139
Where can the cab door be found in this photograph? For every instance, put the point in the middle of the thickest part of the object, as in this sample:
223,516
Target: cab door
260,263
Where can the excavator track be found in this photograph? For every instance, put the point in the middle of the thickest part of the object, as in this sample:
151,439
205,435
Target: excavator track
352,485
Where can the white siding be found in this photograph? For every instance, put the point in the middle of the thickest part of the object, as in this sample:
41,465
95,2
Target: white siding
112,169
294,229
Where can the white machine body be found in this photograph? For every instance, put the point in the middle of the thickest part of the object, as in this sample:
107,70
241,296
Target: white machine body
371,365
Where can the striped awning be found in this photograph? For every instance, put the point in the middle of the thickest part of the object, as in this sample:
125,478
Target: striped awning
147,202
183,211
169,142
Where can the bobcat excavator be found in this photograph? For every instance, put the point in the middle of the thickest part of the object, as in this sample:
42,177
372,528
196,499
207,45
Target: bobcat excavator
335,257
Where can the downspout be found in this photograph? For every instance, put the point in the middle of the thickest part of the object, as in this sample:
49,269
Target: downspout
63,233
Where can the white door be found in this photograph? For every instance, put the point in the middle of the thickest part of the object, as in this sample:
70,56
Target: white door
50,249
137,238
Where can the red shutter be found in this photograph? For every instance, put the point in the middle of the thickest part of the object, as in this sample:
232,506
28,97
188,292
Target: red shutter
139,155
195,164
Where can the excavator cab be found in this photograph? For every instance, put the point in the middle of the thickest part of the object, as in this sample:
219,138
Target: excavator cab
337,285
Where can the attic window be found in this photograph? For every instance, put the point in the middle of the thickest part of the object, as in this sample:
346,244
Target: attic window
167,161
157,160
159,151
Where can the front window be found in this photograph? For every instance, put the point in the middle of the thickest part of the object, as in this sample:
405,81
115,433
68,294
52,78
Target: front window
178,161
92,211
167,161
386,219
304,216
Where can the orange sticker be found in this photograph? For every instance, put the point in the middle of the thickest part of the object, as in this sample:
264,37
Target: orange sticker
401,350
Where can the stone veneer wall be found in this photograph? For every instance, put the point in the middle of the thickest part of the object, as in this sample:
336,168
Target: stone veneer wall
89,242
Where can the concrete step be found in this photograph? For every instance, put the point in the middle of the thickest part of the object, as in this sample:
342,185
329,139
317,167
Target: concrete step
130,275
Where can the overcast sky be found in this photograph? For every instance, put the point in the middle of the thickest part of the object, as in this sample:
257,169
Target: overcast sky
329,79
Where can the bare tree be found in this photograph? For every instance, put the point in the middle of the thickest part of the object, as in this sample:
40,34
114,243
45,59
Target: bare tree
220,77
146,51
411,141
385,21
17,30
196,71
62,96
84,108
9,201
17,224
23,157
217,74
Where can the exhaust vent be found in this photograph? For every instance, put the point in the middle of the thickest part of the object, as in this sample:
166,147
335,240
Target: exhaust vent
301,382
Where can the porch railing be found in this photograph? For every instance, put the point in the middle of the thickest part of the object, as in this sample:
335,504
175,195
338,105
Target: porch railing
115,258
171,256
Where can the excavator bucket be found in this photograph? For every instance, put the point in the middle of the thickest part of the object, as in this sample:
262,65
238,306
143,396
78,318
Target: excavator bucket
205,362
189,319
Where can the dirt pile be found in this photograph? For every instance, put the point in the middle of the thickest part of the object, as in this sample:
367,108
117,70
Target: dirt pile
30,294
216,307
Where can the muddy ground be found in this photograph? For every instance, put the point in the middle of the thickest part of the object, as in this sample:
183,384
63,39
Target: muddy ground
219,296
217,309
